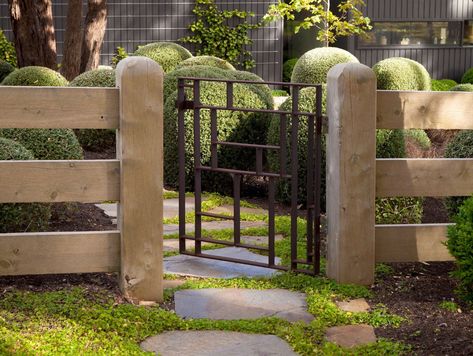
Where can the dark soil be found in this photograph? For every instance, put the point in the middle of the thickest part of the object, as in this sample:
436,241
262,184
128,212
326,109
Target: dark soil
415,291
79,217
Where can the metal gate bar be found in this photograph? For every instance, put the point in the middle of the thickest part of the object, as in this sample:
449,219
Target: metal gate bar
314,155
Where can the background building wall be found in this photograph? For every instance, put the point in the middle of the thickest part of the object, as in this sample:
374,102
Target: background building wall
134,23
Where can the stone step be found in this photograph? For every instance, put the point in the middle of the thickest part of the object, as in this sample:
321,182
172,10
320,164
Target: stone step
349,336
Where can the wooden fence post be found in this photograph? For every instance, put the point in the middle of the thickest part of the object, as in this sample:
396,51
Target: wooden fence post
351,173
140,150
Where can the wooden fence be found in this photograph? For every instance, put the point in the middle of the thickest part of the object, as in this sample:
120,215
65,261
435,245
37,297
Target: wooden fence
355,177
135,179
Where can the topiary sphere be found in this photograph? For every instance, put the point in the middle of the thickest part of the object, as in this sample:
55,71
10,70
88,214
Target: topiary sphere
35,76
463,87
96,140
5,69
314,65
468,77
21,217
167,54
461,146
262,90
47,144
402,74
443,84
232,127
210,61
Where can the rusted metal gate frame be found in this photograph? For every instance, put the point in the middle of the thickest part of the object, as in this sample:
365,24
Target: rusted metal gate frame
314,158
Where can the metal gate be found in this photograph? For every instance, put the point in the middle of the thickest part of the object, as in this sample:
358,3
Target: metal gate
311,262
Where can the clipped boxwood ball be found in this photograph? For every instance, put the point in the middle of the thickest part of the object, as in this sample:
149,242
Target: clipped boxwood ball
47,144
232,127
461,146
5,69
96,140
443,84
21,217
167,54
401,74
262,90
35,76
210,61
468,77
463,87
314,65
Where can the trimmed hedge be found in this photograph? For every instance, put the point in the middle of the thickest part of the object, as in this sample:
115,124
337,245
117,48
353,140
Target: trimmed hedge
5,69
402,74
314,65
35,76
463,87
443,84
7,50
210,61
21,217
167,54
468,77
96,140
461,146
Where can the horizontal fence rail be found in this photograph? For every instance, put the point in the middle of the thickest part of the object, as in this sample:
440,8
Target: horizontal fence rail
424,110
411,243
424,177
59,181
58,107
59,252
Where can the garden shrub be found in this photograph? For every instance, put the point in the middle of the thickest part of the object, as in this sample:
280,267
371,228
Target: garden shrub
288,68
21,217
119,55
5,69
35,76
210,61
460,245
7,50
232,126
315,64
420,137
461,146
95,140
443,84
402,74
262,90
462,87
468,77
167,54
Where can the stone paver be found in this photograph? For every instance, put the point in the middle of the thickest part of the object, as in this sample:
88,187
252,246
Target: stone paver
354,306
259,240
216,343
171,245
351,335
207,268
212,225
228,209
235,303
173,283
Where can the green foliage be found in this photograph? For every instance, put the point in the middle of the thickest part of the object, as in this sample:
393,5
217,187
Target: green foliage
460,245
315,64
420,137
20,217
5,69
461,146
35,76
449,306
401,74
167,54
214,36
120,54
463,87
288,68
468,77
443,84
399,210
7,50
390,144
95,140
210,61
277,93
47,144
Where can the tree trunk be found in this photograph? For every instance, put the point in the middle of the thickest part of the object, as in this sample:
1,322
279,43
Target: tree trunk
70,66
33,28
94,31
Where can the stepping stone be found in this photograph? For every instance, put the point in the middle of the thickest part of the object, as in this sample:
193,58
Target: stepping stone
171,245
354,306
206,268
235,304
351,335
212,225
259,240
228,209
216,343
173,283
